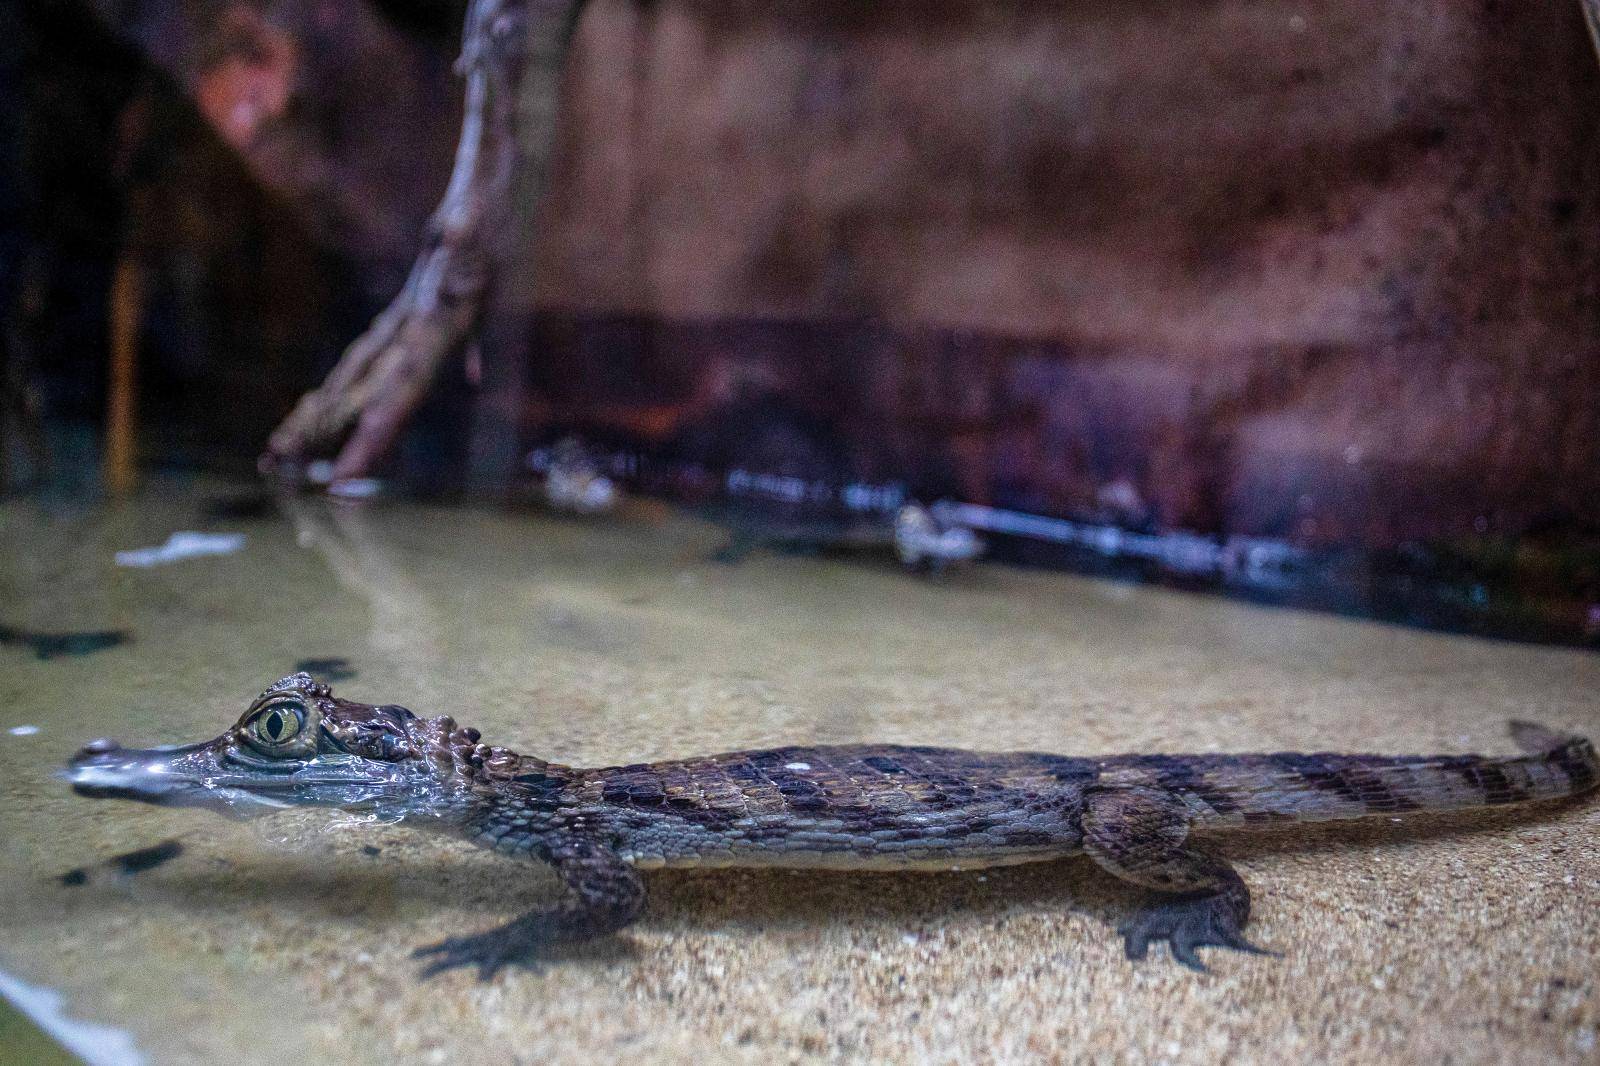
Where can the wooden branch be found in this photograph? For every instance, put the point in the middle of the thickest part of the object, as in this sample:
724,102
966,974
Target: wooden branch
508,46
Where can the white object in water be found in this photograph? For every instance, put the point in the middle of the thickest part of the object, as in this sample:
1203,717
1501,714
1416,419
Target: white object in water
920,540
355,488
98,1045
573,481
23,730
582,493
185,544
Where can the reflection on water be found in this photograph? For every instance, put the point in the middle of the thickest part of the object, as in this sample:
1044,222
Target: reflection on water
351,543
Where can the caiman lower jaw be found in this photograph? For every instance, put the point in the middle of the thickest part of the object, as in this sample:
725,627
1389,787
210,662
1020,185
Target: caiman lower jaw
234,802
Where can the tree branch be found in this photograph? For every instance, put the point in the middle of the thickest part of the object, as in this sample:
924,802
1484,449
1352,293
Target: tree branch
383,376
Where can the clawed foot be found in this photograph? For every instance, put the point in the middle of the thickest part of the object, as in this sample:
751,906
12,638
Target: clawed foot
487,951
1187,923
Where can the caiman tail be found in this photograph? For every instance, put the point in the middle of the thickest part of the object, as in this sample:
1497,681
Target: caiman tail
1259,790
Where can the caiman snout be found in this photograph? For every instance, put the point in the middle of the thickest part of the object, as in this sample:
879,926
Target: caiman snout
101,769
105,769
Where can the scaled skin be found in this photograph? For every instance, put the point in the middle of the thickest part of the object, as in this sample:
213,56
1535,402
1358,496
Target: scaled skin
850,807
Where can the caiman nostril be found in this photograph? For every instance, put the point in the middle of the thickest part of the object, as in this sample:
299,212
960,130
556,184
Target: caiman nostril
99,746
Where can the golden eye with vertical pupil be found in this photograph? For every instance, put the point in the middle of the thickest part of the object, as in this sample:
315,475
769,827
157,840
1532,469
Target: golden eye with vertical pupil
278,723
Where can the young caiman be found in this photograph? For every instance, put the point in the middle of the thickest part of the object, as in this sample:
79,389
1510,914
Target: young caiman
857,807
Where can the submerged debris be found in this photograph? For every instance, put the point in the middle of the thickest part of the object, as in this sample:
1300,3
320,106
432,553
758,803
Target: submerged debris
573,481
134,862
923,543
332,668
51,645
129,863
185,544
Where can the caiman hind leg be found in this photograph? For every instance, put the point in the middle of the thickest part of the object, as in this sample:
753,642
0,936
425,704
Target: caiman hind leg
1140,835
604,894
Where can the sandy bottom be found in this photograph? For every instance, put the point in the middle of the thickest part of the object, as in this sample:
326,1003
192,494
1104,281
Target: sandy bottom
288,939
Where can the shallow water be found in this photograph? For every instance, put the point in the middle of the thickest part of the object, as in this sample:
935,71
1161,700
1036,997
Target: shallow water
618,641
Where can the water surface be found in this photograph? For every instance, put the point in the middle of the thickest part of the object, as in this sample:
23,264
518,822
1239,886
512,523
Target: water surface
618,641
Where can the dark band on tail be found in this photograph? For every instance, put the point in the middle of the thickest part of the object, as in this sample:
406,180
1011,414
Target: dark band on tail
1248,790
1573,755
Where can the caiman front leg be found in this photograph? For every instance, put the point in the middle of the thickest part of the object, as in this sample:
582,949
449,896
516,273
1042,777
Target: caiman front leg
1140,836
604,893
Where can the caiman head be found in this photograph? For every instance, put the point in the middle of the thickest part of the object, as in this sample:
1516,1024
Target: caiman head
296,745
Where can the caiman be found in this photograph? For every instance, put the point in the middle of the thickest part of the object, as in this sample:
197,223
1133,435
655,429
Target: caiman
858,807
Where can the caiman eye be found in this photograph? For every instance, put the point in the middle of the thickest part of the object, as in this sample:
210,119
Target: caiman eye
279,723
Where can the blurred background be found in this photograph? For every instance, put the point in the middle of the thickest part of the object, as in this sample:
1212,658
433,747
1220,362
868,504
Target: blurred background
1292,301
